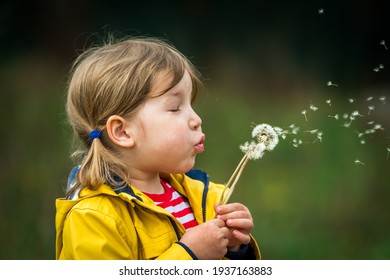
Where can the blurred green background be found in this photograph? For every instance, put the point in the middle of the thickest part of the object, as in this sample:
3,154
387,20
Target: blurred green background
263,62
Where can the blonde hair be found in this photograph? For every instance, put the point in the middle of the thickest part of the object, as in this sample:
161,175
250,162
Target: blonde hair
114,79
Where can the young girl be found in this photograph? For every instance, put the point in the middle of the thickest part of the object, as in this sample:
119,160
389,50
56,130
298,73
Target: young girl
134,195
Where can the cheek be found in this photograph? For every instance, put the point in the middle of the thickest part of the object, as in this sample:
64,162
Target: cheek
172,137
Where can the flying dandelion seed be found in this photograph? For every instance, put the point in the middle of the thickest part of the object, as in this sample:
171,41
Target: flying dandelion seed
378,68
351,100
369,131
388,152
321,11
329,83
294,129
319,136
362,142
304,113
335,116
356,114
313,108
383,43
383,99
378,126
347,125
297,142
369,98
314,131
358,162
328,102
370,108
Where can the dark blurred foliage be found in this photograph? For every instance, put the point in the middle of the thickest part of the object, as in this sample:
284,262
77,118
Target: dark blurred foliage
263,61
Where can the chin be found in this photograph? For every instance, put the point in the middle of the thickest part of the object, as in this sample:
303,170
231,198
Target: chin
186,168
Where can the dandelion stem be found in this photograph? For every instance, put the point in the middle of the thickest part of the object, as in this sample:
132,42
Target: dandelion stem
244,158
234,179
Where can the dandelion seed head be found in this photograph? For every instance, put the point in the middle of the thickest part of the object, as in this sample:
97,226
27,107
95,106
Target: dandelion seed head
253,150
266,138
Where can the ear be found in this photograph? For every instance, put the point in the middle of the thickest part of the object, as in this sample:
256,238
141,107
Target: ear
119,132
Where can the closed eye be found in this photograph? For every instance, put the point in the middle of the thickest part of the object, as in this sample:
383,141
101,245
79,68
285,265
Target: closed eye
177,109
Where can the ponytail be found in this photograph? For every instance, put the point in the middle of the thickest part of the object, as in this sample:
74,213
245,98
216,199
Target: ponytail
99,166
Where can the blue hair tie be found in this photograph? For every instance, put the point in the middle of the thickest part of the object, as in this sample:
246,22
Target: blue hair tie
95,134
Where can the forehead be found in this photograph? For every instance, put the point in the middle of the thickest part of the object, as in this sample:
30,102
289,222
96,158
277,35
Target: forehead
164,83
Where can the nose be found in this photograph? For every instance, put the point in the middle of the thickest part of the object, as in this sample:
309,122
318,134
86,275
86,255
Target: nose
195,121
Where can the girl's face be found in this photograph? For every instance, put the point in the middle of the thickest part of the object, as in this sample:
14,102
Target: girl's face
168,131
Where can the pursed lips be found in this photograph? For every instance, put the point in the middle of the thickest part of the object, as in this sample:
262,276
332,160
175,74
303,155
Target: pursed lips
199,147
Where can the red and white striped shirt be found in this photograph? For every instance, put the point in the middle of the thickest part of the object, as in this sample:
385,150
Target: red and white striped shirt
175,204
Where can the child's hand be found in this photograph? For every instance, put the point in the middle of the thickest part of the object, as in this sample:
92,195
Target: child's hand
239,221
209,240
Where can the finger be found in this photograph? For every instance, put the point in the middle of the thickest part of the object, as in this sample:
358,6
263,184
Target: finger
241,237
218,222
231,207
242,214
245,224
225,231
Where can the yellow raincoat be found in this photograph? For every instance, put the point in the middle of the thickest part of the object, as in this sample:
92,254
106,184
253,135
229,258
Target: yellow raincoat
126,224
